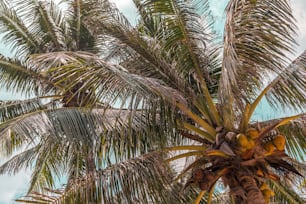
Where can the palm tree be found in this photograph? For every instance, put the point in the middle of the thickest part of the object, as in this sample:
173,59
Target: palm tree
201,96
51,131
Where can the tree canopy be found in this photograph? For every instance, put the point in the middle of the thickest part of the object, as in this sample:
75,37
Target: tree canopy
184,98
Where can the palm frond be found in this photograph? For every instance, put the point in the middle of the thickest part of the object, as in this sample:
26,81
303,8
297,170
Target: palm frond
17,35
110,81
40,16
254,28
19,161
119,133
289,86
12,109
285,194
63,140
81,38
46,168
295,132
295,136
21,76
140,180
49,26
182,31
184,36
113,23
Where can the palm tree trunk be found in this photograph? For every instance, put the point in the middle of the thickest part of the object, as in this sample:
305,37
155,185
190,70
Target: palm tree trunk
253,194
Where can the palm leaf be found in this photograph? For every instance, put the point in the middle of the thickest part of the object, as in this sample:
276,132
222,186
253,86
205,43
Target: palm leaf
21,76
123,183
148,49
185,38
254,28
12,109
285,193
17,34
19,162
289,86
42,22
110,81
76,34
295,135
119,133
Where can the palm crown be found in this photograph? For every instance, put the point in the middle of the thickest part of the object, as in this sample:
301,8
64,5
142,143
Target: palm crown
183,92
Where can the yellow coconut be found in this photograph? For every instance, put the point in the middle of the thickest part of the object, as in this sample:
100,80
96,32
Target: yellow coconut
267,194
242,140
251,144
269,147
279,142
264,186
260,173
252,133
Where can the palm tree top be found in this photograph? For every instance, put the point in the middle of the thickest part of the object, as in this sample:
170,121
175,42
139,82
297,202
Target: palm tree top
184,91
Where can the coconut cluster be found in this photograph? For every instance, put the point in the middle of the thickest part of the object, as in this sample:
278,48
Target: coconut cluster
248,150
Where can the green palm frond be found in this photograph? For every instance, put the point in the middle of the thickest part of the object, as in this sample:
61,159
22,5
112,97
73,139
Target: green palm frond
182,32
175,97
64,139
122,132
82,38
110,81
286,194
295,132
46,167
19,162
43,18
148,49
17,34
254,28
17,75
12,109
140,180
288,88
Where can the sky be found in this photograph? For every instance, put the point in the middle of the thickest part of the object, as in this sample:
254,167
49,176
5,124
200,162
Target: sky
13,186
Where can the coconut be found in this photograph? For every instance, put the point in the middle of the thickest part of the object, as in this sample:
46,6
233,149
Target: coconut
242,140
269,147
252,133
198,175
279,142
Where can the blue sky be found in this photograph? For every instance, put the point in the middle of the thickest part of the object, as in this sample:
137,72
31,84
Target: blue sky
12,186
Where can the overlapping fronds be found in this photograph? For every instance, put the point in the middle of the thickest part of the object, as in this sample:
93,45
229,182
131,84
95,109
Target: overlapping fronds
143,179
21,76
19,162
258,36
286,194
153,51
295,135
12,109
166,71
148,49
16,33
46,21
81,38
59,136
111,126
110,81
288,88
